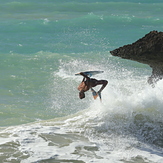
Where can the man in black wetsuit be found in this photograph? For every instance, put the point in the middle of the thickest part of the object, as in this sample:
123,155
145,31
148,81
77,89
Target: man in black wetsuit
87,83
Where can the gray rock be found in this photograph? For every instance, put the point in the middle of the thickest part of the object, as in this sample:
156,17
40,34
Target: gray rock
147,50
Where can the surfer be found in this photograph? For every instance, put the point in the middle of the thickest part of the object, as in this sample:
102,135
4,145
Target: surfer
87,83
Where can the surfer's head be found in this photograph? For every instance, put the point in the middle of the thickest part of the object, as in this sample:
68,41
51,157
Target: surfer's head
81,94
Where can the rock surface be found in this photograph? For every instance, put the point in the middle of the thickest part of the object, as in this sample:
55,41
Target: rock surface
147,50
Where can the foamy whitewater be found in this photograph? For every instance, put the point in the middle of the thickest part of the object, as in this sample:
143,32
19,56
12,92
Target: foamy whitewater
43,44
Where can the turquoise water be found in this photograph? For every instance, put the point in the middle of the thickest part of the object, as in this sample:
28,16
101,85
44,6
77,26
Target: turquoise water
43,44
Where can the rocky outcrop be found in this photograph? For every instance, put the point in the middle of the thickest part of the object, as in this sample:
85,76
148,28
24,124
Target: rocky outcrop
147,50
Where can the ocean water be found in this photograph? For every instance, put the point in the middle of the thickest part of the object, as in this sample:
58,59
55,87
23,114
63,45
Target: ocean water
42,120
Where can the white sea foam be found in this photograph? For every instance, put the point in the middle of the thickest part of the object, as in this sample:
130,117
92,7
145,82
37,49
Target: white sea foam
125,126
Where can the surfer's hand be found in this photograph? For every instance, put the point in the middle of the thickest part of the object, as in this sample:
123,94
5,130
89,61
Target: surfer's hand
84,75
81,73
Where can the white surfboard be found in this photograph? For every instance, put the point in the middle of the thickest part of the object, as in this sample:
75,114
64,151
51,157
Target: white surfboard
91,73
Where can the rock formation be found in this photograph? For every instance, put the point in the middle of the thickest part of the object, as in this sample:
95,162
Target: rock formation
147,50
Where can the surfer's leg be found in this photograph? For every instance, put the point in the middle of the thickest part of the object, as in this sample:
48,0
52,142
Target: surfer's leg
94,93
103,83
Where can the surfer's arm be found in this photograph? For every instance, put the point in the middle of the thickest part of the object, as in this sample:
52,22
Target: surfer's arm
86,79
83,79
104,83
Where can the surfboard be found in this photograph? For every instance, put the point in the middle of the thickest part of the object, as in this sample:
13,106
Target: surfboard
91,73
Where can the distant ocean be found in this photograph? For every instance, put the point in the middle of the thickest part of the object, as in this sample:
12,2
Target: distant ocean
42,120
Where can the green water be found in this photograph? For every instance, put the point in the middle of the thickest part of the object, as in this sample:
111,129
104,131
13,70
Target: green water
42,45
